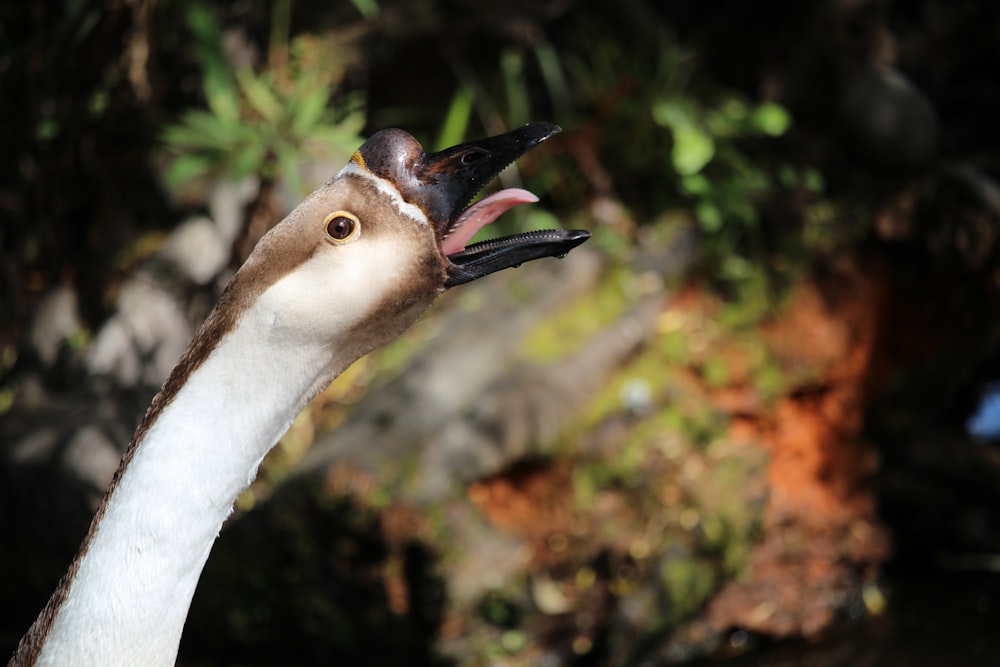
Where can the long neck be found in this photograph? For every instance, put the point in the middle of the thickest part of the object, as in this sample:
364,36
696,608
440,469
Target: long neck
129,590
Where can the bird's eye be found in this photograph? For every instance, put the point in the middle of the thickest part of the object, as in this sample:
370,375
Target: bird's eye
341,226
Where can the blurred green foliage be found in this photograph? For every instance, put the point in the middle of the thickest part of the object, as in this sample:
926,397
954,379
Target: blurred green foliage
266,122
703,138
666,137
718,172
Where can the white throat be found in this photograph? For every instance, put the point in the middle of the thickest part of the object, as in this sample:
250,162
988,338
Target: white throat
130,597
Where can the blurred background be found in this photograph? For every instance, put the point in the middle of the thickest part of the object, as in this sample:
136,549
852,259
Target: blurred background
754,421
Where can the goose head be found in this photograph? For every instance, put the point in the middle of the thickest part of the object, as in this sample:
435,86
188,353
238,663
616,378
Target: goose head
442,184
373,247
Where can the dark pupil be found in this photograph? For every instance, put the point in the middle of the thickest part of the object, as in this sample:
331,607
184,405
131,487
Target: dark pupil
340,228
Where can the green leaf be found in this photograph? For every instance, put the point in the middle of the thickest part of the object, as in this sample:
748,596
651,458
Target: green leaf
695,184
249,159
672,114
186,168
202,23
735,267
455,123
353,122
743,211
217,78
693,147
788,177
98,103
813,180
343,137
734,110
555,79
259,94
771,119
708,216
309,112
515,86
46,129
692,150
367,8
182,138
220,92
288,170
200,130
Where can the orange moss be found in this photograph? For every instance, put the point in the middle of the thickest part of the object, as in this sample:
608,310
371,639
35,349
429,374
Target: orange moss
532,500
822,537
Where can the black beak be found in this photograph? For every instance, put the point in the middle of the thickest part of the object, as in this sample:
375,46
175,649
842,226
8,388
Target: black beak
482,259
460,172
442,184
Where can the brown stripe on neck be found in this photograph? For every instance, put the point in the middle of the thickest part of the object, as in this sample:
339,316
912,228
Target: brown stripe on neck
220,322
277,254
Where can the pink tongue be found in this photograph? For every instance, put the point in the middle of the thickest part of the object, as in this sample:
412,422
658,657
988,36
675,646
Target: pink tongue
482,213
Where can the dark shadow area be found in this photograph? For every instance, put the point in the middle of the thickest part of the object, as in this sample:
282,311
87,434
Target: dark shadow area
310,579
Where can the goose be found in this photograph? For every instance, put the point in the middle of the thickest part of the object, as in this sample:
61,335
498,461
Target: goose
348,270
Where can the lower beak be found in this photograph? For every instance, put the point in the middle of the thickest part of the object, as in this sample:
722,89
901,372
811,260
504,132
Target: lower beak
482,259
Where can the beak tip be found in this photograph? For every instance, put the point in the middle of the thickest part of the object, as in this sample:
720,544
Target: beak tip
544,129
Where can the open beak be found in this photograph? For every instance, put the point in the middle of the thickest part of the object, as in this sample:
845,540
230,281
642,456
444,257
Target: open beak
448,181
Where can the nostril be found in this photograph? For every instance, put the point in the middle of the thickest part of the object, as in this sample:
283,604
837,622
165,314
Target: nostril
472,157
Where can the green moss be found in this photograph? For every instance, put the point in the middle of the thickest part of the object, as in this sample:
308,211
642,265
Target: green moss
752,301
715,371
674,346
566,331
610,241
648,367
585,486
769,381
688,581
500,610
730,499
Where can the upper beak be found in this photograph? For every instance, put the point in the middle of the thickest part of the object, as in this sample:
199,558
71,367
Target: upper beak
452,177
455,175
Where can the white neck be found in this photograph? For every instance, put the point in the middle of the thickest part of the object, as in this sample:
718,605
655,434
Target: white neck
130,596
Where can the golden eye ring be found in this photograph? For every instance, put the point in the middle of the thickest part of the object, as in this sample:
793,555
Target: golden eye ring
341,227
